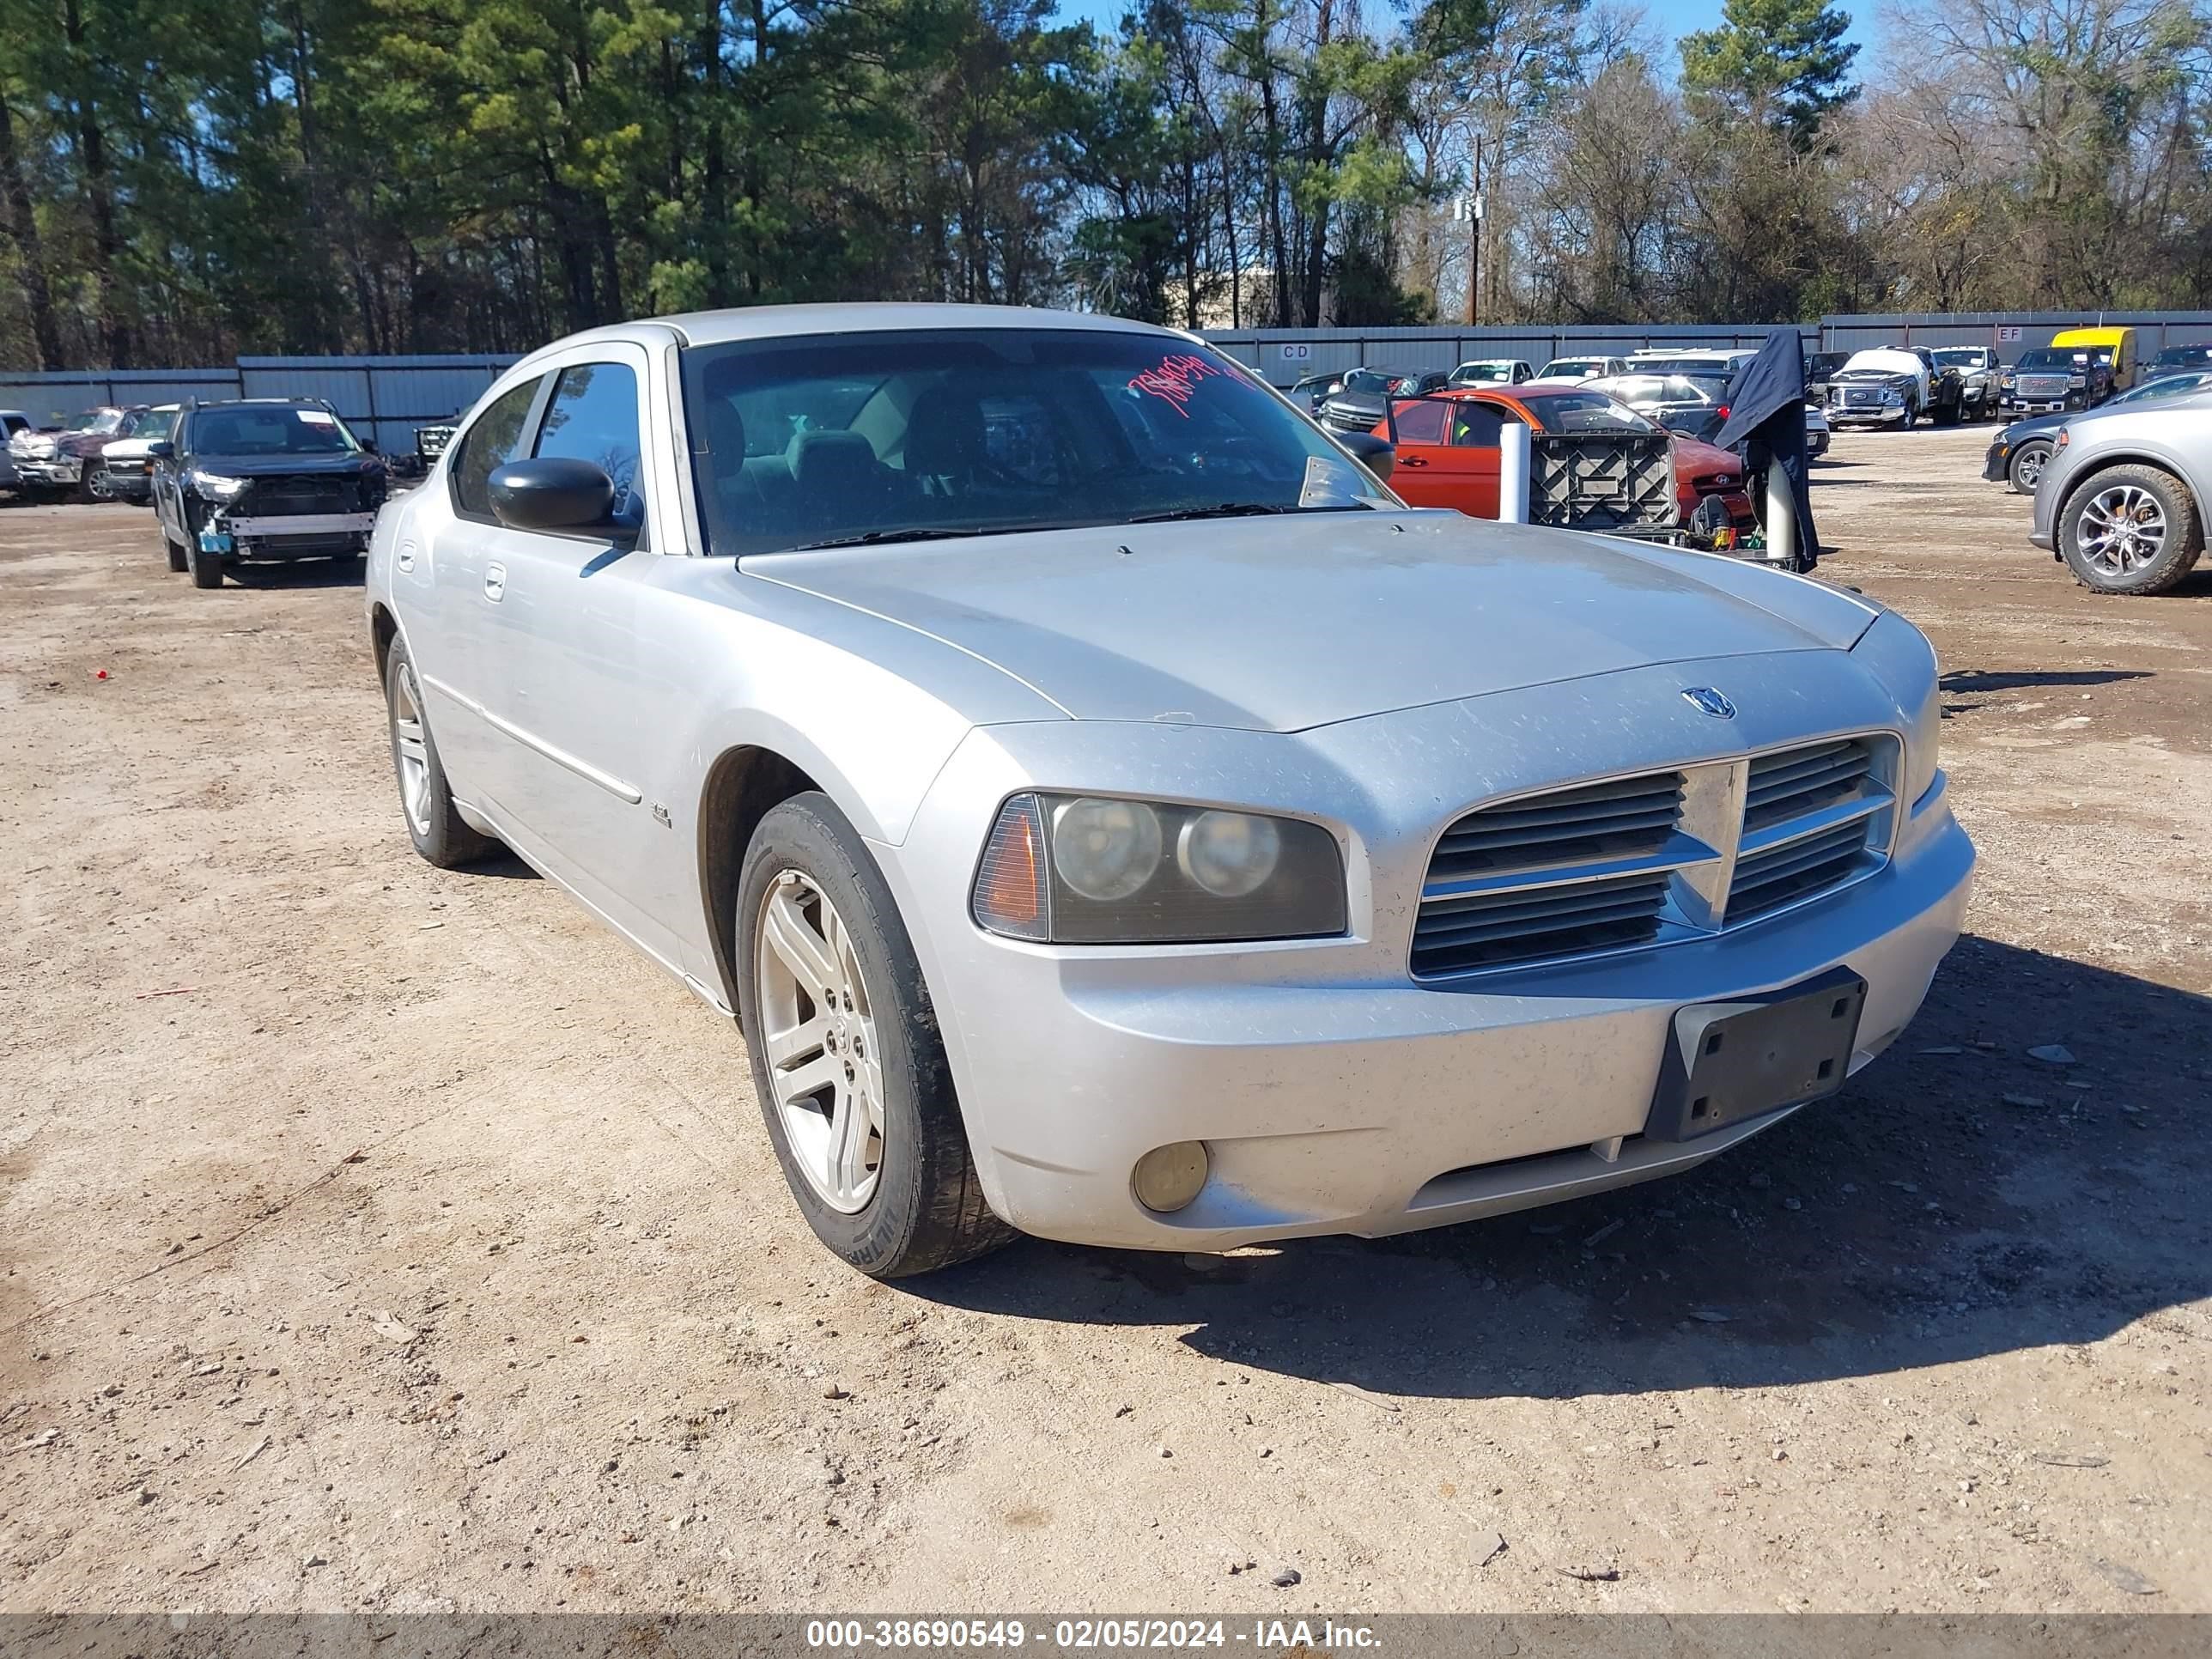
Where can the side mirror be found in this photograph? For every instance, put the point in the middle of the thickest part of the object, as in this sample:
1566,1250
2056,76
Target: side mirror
1375,454
368,447
162,450
554,494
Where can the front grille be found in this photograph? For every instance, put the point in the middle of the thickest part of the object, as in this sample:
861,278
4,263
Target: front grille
2045,386
1488,930
1862,399
1765,882
1643,860
281,497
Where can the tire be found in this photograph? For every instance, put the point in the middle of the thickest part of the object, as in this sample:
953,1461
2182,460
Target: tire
2130,498
921,1205
176,549
2027,467
426,805
206,568
1911,414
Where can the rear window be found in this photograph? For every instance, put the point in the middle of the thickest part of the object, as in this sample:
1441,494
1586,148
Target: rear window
1579,413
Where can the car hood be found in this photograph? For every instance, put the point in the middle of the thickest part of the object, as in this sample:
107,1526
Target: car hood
1368,405
1873,377
1284,623
287,466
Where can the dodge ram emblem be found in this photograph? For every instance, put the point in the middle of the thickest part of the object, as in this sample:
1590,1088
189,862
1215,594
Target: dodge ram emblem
1707,700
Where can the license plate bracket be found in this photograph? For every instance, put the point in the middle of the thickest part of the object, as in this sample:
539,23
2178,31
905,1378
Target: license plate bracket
1725,1062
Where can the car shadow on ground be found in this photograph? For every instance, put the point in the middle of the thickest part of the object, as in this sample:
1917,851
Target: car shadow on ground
297,573
1958,1198
1970,682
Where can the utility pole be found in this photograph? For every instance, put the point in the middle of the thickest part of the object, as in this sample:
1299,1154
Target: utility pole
1474,240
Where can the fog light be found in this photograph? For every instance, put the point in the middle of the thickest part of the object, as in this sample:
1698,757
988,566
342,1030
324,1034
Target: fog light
1167,1178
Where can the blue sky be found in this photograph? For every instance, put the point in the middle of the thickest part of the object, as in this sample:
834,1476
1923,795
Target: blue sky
1670,18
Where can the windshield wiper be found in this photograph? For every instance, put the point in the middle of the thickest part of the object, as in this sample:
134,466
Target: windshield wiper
1238,510
912,533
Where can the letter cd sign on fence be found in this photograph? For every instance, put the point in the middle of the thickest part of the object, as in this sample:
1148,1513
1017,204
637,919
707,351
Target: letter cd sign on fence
1297,352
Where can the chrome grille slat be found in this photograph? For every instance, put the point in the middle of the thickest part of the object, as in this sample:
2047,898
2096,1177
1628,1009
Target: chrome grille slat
1623,913
1795,871
1495,910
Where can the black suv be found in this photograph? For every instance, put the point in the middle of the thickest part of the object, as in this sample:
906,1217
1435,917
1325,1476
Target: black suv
262,478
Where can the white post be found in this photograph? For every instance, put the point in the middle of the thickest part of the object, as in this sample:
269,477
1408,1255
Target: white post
1781,516
1513,473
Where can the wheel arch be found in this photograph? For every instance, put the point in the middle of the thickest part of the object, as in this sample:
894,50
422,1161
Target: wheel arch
383,629
742,786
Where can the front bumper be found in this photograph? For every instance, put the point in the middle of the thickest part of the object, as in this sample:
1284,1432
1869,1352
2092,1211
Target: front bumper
1997,465
1335,1095
1838,415
298,536
57,470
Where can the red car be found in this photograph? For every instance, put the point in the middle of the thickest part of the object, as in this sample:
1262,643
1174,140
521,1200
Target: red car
1446,446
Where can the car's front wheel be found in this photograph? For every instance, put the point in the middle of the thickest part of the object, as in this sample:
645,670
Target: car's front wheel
434,825
845,1056
2130,529
2027,467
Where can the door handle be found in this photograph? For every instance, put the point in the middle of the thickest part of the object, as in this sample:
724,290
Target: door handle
406,558
495,582
1411,460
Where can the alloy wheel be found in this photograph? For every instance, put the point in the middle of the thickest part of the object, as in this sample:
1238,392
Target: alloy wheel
818,1027
411,748
2030,469
2122,530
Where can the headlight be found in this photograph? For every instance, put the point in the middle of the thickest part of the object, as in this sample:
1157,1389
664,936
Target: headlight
2077,380
1105,870
1892,395
215,487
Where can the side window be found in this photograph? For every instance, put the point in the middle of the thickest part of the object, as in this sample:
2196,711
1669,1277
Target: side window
492,440
1420,420
1476,425
593,417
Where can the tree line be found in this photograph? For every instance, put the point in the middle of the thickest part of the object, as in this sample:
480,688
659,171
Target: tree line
182,181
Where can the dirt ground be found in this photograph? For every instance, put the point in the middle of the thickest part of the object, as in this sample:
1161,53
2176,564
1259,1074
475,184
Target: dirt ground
377,1237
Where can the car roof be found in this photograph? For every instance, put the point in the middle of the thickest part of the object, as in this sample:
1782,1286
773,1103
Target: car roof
705,328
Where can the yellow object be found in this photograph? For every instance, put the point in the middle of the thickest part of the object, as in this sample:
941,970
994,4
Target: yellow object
2120,341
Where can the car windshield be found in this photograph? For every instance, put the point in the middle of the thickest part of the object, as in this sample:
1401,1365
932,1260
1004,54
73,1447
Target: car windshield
1373,381
2051,358
1481,373
270,429
1963,358
1585,412
835,438
157,424
1573,366
2186,356
96,420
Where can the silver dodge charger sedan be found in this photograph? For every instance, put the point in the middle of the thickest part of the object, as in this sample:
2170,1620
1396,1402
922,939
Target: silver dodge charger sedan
1112,815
